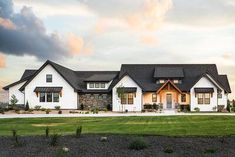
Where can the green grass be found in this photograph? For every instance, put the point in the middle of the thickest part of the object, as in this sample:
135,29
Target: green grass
169,126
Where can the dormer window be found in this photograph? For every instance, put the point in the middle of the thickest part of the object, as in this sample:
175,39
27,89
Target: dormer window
91,85
97,85
161,81
177,81
102,85
48,78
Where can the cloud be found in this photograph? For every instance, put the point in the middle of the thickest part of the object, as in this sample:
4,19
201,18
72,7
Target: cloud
209,13
24,33
2,61
75,44
149,39
227,56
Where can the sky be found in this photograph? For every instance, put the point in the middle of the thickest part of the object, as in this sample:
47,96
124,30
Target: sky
102,35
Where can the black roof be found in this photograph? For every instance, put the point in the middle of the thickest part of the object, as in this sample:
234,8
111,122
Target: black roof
102,77
168,72
143,74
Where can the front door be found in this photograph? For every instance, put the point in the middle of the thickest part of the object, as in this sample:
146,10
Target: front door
169,101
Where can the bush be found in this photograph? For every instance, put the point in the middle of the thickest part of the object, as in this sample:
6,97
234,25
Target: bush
59,112
2,110
168,150
233,109
197,109
143,111
43,109
228,106
82,107
109,107
27,106
138,144
57,107
37,107
210,150
78,131
48,111
13,101
95,110
54,139
15,137
87,112
148,106
220,108
155,106
47,130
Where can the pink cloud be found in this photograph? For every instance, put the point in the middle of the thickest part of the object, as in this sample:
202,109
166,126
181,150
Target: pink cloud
6,23
2,61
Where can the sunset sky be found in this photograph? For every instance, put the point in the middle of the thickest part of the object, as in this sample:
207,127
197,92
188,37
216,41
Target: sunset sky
102,35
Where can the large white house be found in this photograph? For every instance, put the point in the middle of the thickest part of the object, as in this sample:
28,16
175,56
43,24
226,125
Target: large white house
193,85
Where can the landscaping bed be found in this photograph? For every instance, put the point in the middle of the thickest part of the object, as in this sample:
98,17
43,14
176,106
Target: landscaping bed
117,145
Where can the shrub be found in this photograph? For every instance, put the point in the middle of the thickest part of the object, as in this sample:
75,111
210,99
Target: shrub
43,109
143,110
138,144
214,108
57,107
168,150
87,112
15,137
48,111
2,110
197,109
54,139
105,109
233,109
210,150
47,130
220,108
82,107
109,107
95,110
27,106
59,112
78,131
148,106
37,107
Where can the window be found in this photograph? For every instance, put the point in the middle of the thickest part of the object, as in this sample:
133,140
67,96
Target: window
56,97
200,98
130,98
176,81
183,97
48,78
207,98
102,85
154,97
91,85
124,99
42,97
49,97
219,95
97,85
161,81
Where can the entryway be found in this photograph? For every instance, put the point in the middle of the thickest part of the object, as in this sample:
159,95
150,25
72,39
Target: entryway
169,101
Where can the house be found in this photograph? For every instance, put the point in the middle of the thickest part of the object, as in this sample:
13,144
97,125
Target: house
193,85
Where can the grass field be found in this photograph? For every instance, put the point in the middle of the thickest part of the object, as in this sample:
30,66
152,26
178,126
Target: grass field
169,126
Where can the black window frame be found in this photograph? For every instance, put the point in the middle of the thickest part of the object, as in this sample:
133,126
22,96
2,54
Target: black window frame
183,98
48,78
57,98
40,97
154,99
51,94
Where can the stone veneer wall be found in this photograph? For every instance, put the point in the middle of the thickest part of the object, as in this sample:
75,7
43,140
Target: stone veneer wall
95,100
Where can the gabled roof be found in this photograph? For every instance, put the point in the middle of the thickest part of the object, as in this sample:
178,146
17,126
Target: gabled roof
26,76
169,82
144,75
168,72
66,73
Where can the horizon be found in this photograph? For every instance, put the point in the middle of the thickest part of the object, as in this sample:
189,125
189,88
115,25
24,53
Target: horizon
104,35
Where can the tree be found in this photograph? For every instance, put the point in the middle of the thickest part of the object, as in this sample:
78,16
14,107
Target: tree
233,103
120,91
27,106
228,106
13,101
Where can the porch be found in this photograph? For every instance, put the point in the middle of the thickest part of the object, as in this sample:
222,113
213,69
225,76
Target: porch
168,97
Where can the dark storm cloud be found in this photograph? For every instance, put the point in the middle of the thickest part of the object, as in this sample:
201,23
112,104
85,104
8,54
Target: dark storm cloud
28,35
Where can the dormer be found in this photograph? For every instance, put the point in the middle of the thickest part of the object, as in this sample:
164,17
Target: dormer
99,81
163,74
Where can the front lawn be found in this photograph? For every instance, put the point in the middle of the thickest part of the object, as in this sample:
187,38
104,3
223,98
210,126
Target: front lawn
169,126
